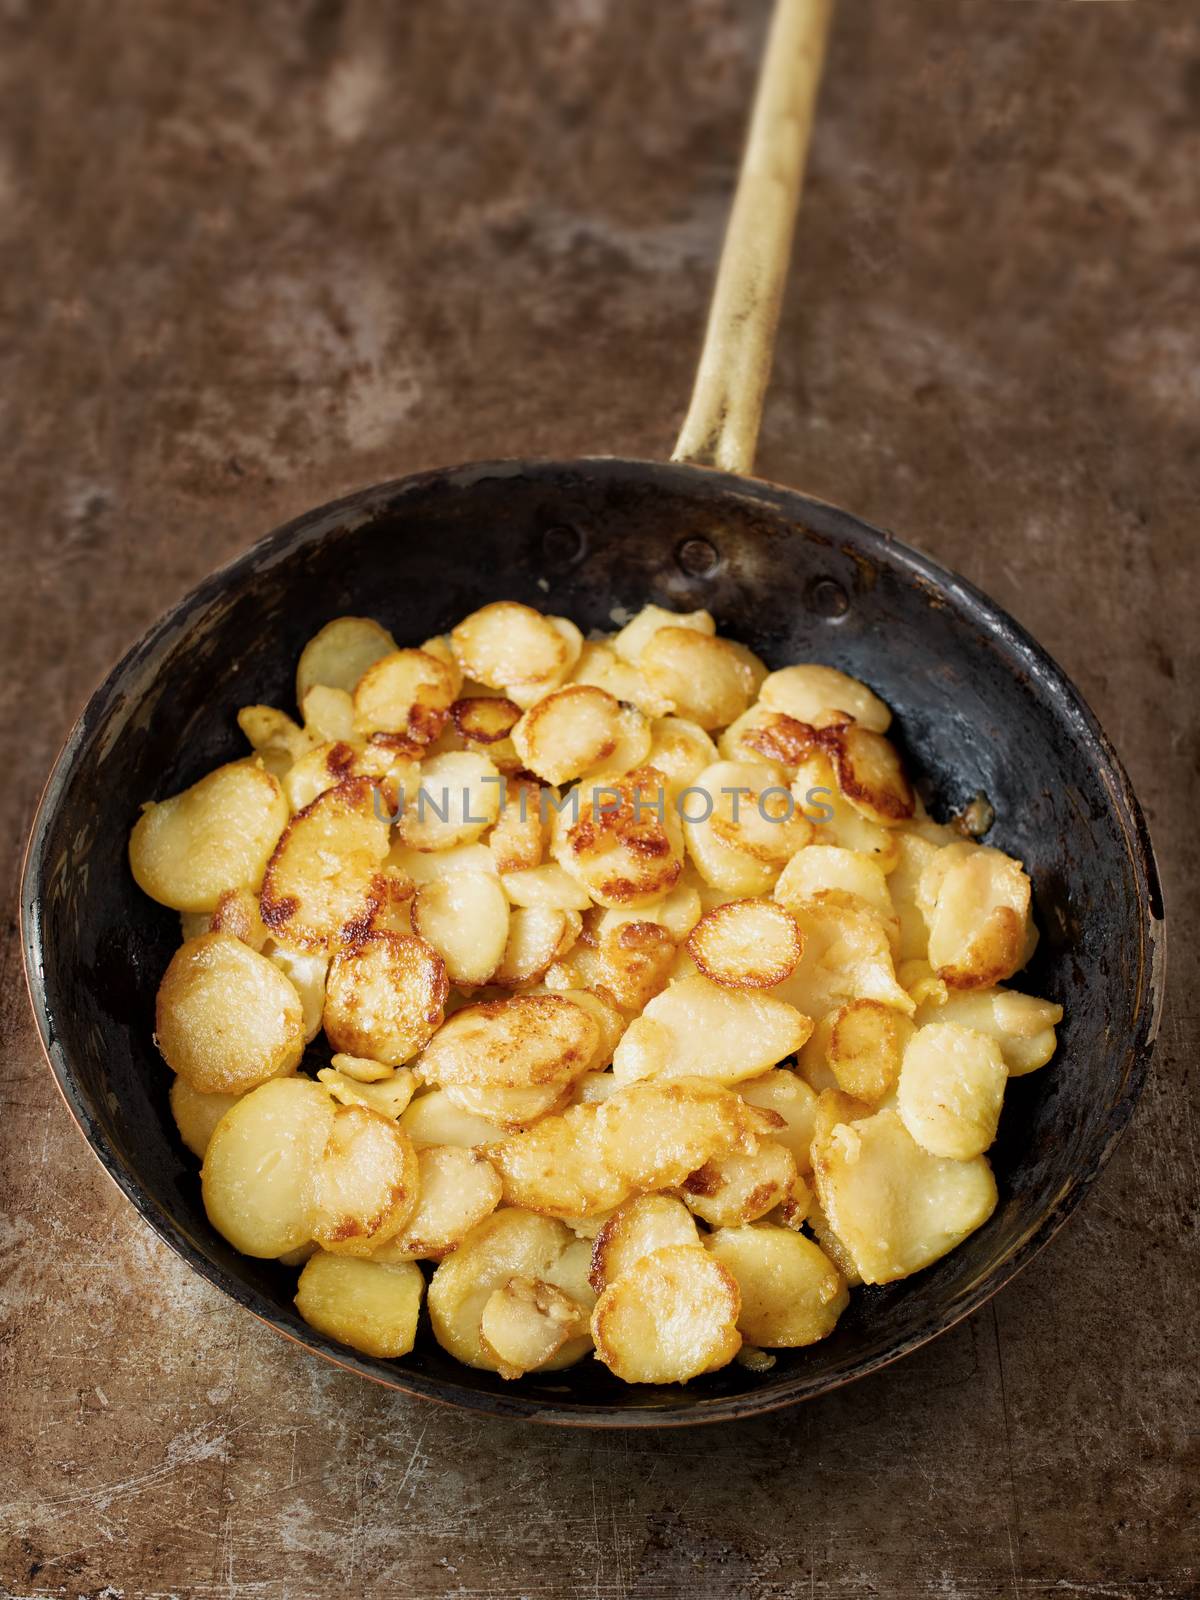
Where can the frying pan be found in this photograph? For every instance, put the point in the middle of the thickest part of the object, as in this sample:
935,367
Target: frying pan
978,707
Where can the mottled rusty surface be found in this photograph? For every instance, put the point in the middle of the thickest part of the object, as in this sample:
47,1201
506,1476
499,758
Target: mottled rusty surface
259,255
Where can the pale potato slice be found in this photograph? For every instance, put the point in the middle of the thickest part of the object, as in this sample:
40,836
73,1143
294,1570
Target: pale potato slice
631,962
594,1087
746,944
524,1042
869,773
226,1019
185,852
435,1119
547,887
457,1189
316,893
835,820
978,909
518,840
863,1044
709,681
509,1243
422,866
368,1305
636,635
741,1186
787,1094
568,732
915,855
621,838
1022,1026
792,1293
258,1174
361,1069
736,849
236,913
274,737
528,691
677,912
680,750
638,1228
407,692
439,646
307,976
696,1029
670,1318
328,714
847,956
841,877
465,918
365,1183
340,653
512,1110
385,997
389,1095
526,1322
895,1207
602,668
610,1023
506,643
818,1224
457,800
810,691
196,1115
536,935
924,985
388,760
951,1090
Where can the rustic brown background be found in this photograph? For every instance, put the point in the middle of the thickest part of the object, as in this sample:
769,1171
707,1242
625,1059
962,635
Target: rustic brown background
260,254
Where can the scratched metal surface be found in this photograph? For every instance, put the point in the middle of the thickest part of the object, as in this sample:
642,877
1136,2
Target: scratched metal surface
259,256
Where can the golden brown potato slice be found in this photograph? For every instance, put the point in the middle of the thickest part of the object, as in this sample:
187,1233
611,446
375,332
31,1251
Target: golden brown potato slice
696,1029
506,645
340,653
677,912
385,997
762,734
421,866
407,692
786,1094
457,1188
226,1018
638,1228
818,1224
636,635
537,935
196,1115
670,1318
388,1095
847,956
433,1118
439,646
317,889
951,1090
548,887
915,854
389,761
709,681
869,773
630,961
792,1293
484,723
518,840
368,1305
602,668
746,944
569,731
741,826
741,1186
258,1174
895,1207
186,852
835,820
620,838
862,1043
365,1184
810,691
526,1322
522,1042
465,918
977,903
680,750
457,800
1022,1026
237,914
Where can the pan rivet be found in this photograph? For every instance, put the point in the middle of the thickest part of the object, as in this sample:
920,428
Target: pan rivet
827,598
562,546
697,558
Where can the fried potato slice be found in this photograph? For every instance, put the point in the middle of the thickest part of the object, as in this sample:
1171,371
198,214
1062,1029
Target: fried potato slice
526,1323
522,830
407,692
862,1043
328,714
258,1173
523,1042
677,912
340,653
636,634
915,855
546,887
369,1305
636,1229
317,889
506,645
512,1110
537,935
680,750
808,692
226,1019
620,838
568,732
763,734
465,918
237,913
510,1243
1021,1025
696,1029
977,902
836,821
361,1069
847,956
670,1318
746,944
196,1115
631,961
306,974
484,723
385,997
869,773
831,873
600,667
736,847
457,800
434,1118
786,1094
274,737
387,760
895,1207
792,1293
389,1095
185,852
951,1090
456,1190
365,1183
709,681
741,1186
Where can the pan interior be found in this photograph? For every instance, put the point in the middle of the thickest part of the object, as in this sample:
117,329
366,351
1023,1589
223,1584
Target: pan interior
977,707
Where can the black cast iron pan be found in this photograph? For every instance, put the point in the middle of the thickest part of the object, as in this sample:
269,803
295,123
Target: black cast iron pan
978,706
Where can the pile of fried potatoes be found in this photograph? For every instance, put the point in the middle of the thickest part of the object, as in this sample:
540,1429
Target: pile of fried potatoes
659,1014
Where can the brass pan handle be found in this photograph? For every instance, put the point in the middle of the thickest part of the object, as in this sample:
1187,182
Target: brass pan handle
721,427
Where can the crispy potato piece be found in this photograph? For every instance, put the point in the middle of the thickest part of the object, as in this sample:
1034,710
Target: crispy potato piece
458,799
847,956
838,876
680,750
406,692
951,1090
439,646
484,723
237,914
257,1178
434,1118
810,691
536,936
340,653
786,1093
818,1225
328,714
457,1189
524,1042
568,732
977,902
709,681
746,944
526,1322
226,1019
600,667
365,1184
185,852
546,887
1022,1026
696,1029
196,1115
518,840
610,1024
389,1095
613,842
465,918
636,1229
677,912
862,1043
636,635
274,737
369,1305
869,773
388,760
670,1318
509,1243
741,1186
385,998
792,1293
506,645
762,734
737,848
630,961
895,1207
835,820
317,889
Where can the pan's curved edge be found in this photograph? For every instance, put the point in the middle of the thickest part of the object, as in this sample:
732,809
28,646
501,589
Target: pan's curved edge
361,506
